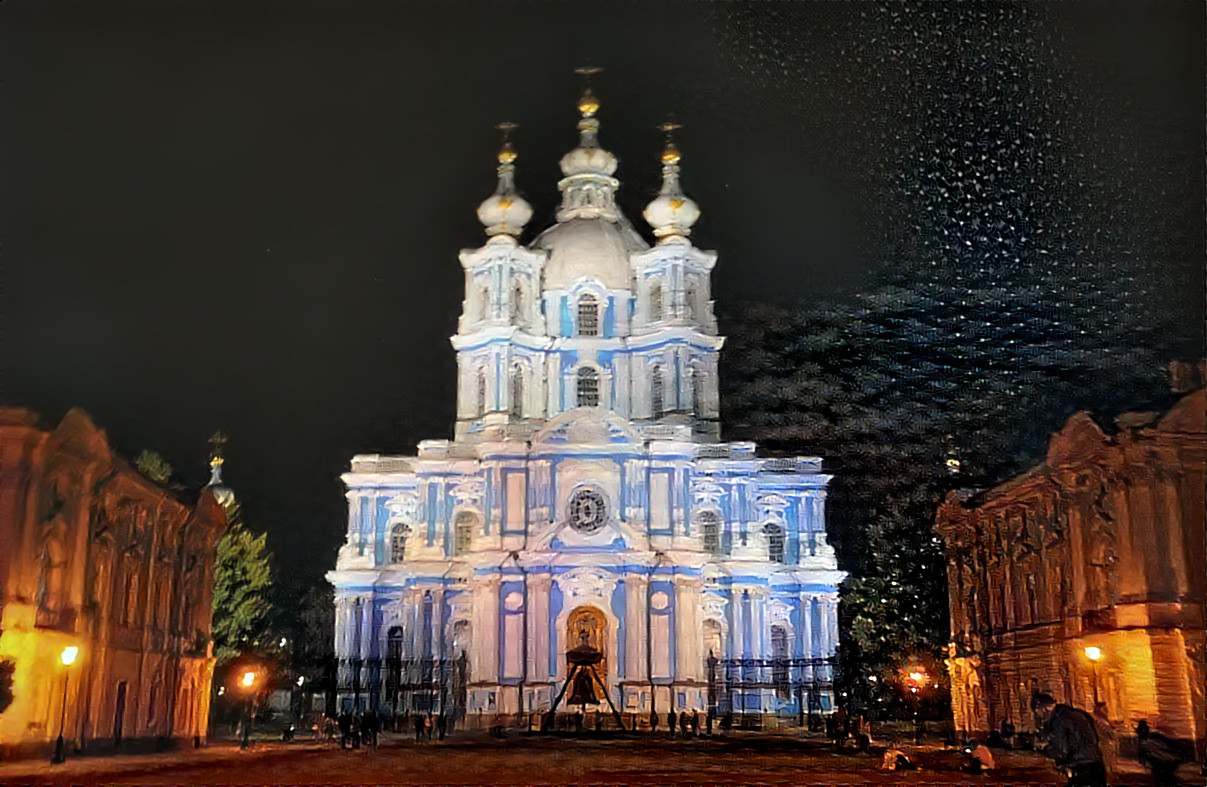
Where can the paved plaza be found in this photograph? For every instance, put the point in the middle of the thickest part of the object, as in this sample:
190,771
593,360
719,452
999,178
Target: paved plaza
762,761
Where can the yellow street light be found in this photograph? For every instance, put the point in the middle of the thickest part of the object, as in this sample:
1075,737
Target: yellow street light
1092,653
249,679
66,658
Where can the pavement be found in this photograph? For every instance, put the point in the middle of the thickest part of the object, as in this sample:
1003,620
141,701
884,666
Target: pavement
475,759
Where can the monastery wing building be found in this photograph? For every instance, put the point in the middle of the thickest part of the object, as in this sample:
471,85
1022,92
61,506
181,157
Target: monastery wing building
586,498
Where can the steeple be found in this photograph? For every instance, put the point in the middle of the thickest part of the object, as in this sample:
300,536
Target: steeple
588,190
672,213
221,492
505,212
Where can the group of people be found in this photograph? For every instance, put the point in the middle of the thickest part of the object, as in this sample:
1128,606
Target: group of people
426,726
689,723
358,728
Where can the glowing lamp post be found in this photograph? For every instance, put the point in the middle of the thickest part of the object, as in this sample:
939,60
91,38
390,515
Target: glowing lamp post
67,658
916,680
247,683
1094,654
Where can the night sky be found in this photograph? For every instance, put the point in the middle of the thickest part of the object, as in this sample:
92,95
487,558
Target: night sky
247,215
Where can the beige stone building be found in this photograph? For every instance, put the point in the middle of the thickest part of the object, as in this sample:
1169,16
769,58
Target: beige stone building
1084,577
95,556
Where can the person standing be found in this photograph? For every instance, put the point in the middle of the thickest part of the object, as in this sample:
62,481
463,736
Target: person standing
441,726
418,727
670,722
1071,740
653,722
345,729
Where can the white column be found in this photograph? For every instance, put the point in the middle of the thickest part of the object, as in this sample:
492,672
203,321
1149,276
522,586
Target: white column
538,628
686,636
807,620
831,624
636,635
490,632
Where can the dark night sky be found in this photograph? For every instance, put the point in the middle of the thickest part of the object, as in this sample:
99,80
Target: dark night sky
247,215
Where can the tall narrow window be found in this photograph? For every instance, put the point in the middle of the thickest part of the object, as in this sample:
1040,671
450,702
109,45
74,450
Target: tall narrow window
398,543
655,302
710,532
588,316
481,391
517,305
690,298
588,387
484,302
463,532
394,643
517,392
657,395
693,380
775,543
779,669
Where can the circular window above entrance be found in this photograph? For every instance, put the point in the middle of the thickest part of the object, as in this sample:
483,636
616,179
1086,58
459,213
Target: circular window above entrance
588,510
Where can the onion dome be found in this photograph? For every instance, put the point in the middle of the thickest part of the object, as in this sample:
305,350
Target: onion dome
588,190
672,213
505,212
222,493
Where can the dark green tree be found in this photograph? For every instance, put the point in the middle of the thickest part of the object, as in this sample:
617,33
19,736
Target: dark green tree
242,591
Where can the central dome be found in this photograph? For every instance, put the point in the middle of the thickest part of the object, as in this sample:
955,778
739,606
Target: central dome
589,248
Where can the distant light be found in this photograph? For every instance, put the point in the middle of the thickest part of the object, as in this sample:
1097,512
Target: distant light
301,680
1092,653
221,690
68,655
917,677
249,679
282,642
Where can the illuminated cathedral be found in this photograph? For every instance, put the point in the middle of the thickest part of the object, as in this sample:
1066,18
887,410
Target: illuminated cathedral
586,496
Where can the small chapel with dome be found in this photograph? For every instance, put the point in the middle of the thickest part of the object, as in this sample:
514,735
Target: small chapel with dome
586,497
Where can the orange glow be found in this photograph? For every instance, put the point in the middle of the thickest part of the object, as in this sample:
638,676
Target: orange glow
1092,653
68,655
249,679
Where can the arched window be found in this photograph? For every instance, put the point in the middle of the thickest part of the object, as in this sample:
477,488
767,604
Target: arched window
775,543
394,643
712,640
517,304
710,532
690,297
655,302
463,532
517,391
588,387
398,543
481,391
779,669
588,316
657,397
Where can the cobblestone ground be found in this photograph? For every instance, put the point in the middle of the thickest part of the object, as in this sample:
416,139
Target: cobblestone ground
565,761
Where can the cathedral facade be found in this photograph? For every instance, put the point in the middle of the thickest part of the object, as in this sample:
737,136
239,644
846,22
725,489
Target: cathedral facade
586,497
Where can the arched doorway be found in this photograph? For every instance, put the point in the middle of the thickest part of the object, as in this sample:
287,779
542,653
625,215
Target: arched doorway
589,625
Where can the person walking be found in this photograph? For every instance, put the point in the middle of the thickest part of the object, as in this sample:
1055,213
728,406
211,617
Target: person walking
418,718
670,722
1071,741
653,722
345,729
370,725
441,726
1158,754
684,724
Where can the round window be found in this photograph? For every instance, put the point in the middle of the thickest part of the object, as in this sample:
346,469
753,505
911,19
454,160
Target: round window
588,510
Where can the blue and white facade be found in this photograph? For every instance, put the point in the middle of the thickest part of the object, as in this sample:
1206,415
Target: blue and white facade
586,494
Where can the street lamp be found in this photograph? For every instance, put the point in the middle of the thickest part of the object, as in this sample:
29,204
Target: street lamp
916,680
67,658
1094,654
247,682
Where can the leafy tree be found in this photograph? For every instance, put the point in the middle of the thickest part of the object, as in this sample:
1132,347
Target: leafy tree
153,466
242,591
7,669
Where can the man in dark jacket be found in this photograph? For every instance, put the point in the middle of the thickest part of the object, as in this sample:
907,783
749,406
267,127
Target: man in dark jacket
1071,741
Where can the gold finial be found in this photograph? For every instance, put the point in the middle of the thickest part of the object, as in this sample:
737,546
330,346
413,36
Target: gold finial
217,441
507,153
670,152
588,105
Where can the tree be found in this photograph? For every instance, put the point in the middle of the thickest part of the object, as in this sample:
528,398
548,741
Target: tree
242,590
7,669
153,466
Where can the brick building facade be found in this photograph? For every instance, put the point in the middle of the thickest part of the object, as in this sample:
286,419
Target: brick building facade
95,555
1084,577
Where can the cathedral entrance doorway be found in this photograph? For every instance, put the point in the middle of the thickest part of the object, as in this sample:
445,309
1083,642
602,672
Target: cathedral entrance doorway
589,626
